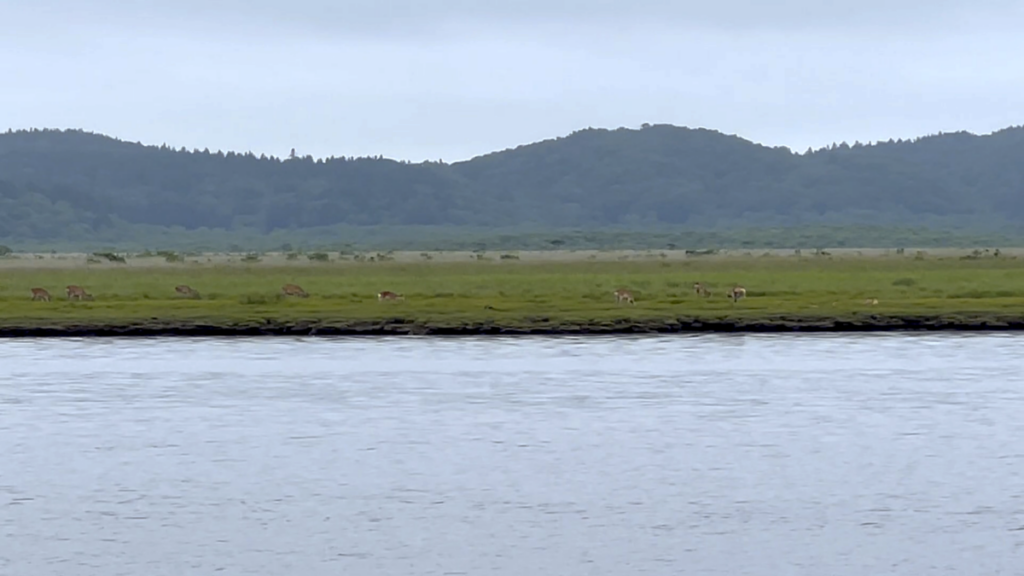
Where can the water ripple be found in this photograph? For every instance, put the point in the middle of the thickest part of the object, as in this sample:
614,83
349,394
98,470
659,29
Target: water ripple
700,454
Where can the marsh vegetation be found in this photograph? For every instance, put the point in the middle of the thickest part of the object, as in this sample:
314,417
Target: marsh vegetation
576,290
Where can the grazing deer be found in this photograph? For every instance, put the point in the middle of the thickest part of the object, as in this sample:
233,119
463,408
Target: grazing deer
387,295
701,290
187,291
737,293
623,296
293,290
78,293
871,301
40,294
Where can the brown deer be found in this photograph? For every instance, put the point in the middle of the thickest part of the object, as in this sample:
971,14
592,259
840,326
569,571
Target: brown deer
78,293
294,290
40,294
871,301
187,291
701,290
737,293
387,295
622,295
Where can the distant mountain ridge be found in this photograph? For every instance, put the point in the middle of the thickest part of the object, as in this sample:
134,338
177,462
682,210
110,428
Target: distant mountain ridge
56,183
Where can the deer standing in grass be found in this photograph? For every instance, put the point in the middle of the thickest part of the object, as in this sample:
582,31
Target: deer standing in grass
388,295
294,290
78,293
737,293
701,290
187,291
40,294
623,296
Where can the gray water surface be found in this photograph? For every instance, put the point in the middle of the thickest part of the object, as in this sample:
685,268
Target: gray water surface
764,455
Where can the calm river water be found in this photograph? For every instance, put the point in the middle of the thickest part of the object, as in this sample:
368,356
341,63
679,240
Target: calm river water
767,455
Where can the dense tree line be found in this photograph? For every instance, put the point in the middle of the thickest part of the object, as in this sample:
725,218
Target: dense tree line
61,184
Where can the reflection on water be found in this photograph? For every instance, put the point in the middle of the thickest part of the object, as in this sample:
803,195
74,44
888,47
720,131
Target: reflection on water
714,454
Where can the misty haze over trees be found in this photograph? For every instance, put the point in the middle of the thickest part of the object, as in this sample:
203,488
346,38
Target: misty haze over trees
71,185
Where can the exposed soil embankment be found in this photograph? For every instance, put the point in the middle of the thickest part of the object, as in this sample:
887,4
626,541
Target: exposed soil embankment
399,326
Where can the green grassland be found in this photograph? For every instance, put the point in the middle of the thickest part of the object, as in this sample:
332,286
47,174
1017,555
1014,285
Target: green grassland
569,296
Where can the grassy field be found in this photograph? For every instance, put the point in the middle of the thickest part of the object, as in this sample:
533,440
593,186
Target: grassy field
555,294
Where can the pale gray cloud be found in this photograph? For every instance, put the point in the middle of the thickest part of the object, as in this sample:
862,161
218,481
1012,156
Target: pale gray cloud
428,79
380,17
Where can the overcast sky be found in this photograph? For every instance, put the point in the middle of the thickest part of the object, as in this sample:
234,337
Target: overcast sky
451,79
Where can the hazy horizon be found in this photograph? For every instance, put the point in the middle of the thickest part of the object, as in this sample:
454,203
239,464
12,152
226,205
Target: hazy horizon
436,79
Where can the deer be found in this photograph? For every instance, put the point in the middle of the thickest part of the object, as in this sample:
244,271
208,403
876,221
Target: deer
78,293
294,290
736,293
622,295
701,290
40,294
388,295
871,301
187,291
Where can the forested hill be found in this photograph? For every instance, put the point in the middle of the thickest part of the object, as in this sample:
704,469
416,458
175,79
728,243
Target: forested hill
59,183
